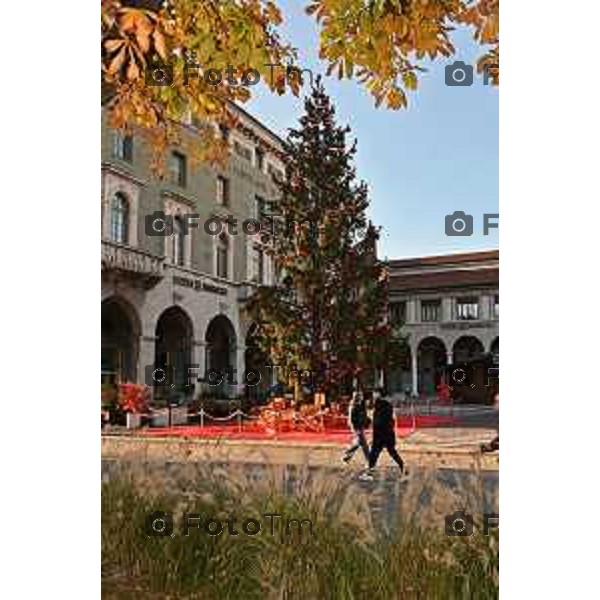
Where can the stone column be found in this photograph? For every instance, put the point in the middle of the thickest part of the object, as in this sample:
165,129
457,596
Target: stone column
411,310
145,357
449,357
446,309
415,372
199,362
485,307
240,365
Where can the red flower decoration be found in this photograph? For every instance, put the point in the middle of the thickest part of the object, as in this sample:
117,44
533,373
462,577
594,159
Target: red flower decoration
133,397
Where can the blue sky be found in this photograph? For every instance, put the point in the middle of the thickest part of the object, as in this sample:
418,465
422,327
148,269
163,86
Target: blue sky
437,157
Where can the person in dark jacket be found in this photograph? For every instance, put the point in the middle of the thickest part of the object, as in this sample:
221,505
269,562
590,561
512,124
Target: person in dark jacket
359,422
384,435
493,445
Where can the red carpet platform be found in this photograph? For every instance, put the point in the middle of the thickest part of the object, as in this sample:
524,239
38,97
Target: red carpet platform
254,431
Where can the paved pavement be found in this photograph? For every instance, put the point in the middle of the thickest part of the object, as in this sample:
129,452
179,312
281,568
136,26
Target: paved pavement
432,448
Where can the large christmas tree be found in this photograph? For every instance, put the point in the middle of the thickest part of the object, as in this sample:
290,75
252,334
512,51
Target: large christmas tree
327,312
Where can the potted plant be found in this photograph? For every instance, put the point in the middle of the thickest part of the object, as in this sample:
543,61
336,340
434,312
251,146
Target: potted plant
133,401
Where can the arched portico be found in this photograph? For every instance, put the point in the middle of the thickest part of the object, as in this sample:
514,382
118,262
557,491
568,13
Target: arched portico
467,348
399,377
431,362
173,345
120,331
221,345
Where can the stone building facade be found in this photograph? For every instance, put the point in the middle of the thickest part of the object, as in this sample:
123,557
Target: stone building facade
178,299
449,309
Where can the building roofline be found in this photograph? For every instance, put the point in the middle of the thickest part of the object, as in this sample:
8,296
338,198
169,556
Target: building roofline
446,259
258,122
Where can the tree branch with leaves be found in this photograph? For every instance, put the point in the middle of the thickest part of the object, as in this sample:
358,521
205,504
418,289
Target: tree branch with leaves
381,43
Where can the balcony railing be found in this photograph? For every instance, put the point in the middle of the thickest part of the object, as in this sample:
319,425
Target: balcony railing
133,262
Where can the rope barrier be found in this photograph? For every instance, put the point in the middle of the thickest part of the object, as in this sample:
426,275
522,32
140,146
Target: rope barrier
273,420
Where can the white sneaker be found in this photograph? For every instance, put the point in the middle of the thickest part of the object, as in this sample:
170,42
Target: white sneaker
366,476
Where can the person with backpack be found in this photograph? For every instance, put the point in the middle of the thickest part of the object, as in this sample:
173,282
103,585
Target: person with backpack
359,422
384,436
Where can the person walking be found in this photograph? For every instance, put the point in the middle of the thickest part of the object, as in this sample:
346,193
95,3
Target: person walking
493,445
359,422
384,436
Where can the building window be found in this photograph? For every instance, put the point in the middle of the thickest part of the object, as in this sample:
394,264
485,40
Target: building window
123,146
259,256
259,153
467,309
222,257
242,150
398,313
496,307
430,310
222,191
275,173
119,218
178,169
224,130
178,242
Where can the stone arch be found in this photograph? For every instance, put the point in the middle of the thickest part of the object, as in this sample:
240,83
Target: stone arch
467,348
174,336
120,333
221,347
431,362
399,377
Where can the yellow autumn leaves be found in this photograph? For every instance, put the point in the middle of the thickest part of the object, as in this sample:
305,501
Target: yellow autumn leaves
381,43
